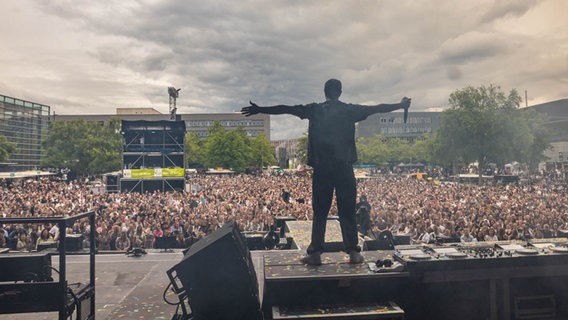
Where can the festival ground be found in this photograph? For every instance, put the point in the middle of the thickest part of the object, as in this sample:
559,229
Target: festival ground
513,283
132,287
125,287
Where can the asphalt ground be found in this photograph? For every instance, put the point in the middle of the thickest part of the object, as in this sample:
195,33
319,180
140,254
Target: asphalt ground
126,287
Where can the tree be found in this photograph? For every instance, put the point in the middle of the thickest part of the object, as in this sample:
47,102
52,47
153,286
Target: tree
6,148
531,138
398,150
302,150
373,150
102,147
477,126
421,150
381,150
84,147
226,149
444,146
261,152
229,149
194,152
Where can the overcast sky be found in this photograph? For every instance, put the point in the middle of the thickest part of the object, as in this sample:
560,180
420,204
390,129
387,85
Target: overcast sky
90,57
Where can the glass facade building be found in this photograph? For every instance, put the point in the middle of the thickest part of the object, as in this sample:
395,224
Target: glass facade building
26,124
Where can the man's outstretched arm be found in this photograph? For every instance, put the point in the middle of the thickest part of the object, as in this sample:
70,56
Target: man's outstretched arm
384,107
279,109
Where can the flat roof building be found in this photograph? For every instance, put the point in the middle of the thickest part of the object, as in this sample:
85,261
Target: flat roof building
198,123
26,124
392,124
557,122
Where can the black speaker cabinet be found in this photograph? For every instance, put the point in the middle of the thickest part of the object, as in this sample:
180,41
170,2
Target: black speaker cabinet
254,242
166,243
218,276
27,267
73,242
372,245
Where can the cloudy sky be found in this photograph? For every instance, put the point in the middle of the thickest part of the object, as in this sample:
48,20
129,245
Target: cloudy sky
90,57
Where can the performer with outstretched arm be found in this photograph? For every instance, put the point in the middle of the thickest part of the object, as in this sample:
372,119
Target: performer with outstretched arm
331,153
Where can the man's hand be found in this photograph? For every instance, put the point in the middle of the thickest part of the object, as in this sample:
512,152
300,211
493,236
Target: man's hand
405,104
250,110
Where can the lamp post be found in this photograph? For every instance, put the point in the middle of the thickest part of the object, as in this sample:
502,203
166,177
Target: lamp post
174,94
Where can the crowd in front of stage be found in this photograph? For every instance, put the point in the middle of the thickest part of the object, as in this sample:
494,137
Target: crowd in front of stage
424,210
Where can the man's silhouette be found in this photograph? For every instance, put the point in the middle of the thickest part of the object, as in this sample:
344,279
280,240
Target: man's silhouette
331,153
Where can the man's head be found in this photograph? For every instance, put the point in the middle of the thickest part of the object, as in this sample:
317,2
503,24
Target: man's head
332,89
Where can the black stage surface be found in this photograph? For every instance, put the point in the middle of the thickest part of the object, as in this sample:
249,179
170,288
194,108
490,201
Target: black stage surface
301,232
496,287
132,287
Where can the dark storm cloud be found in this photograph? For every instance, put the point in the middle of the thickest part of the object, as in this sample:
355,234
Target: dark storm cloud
91,57
507,8
240,48
243,52
472,46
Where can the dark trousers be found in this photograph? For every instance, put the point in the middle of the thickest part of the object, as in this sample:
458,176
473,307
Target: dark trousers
325,180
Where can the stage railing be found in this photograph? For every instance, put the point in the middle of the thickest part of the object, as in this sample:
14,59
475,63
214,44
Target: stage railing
62,303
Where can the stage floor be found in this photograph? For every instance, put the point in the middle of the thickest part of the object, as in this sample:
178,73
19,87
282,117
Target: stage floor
285,265
125,287
132,287
301,232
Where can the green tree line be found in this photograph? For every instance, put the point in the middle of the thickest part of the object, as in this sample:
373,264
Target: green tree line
229,149
89,148
482,124
85,147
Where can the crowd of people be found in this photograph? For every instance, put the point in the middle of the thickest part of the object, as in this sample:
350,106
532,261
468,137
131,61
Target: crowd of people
426,211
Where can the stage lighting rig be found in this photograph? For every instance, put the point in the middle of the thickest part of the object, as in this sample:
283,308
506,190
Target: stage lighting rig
174,94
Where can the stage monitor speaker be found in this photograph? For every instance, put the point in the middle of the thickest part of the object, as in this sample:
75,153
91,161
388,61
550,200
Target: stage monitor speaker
219,278
254,242
281,224
166,243
46,245
372,245
73,242
27,267
401,240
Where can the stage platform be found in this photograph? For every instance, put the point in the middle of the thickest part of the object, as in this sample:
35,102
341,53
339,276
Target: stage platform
493,288
132,287
301,232
284,265
519,282
335,284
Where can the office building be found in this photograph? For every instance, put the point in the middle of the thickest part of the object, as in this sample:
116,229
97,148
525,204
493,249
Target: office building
198,123
26,124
